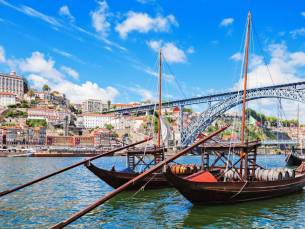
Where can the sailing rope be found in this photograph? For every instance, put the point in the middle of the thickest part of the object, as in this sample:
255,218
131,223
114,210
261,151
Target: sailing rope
242,188
143,187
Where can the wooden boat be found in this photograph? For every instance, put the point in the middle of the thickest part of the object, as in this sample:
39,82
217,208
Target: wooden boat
222,192
115,178
241,180
208,187
293,159
145,158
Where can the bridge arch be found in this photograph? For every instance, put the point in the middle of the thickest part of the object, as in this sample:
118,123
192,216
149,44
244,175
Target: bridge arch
207,117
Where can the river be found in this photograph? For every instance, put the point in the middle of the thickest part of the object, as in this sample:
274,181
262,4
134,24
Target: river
46,203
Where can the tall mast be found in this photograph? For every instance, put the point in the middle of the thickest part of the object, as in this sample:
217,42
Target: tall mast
243,121
298,137
160,99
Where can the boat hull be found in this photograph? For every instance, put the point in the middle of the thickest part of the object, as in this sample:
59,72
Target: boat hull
116,179
294,160
233,192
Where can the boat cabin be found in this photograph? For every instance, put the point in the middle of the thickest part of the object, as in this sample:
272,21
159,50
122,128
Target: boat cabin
144,158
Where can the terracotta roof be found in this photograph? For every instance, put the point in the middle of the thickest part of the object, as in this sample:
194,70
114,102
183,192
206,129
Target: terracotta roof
98,115
126,105
7,93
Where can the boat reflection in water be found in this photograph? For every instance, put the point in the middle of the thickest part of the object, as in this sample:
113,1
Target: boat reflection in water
272,213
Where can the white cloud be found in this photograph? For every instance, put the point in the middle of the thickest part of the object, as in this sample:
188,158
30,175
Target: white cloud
143,23
41,70
2,55
55,23
33,13
284,67
145,1
99,19
303,13
170,51
236,56
65,11
62,53
168,77
86,90
155,45
144,93
68,55
173,54
297,33
226,22
38,64
37,81
70,71
190,50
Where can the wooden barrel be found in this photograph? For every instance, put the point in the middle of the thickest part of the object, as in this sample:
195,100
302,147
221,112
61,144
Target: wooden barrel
285,175
265,175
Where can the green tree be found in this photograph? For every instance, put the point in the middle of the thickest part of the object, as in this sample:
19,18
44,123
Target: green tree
109,126
31,93
12,113
108,105
24,104
46,87
36,122
185,109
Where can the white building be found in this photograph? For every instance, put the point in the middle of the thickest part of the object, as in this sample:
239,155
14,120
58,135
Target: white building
97,120
7,98
93,105
51,115
13,84
90,120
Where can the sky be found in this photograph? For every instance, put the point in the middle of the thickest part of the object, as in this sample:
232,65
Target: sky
108,49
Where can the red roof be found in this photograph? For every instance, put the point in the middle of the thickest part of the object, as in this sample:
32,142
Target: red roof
6,93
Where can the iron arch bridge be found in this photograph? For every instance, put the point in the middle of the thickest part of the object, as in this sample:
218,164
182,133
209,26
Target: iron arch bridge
207,117
216,97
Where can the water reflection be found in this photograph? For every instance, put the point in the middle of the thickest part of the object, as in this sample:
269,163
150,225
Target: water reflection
55,199
278,212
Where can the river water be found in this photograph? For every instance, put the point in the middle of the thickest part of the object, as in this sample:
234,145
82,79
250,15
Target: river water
46,203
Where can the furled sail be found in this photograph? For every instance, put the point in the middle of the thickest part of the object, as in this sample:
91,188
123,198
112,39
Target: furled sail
165,130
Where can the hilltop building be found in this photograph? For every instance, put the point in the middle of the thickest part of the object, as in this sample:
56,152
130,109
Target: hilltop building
7,98
50,115
13,84
93,105
90,120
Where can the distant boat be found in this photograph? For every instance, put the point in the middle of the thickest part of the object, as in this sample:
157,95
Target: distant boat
24,153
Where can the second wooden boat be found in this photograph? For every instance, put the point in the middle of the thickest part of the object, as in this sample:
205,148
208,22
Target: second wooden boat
240,180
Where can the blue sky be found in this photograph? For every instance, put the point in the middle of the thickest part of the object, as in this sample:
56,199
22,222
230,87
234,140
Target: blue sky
107,49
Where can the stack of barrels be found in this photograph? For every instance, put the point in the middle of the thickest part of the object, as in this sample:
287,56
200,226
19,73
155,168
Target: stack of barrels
231,175
184,169
274,174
